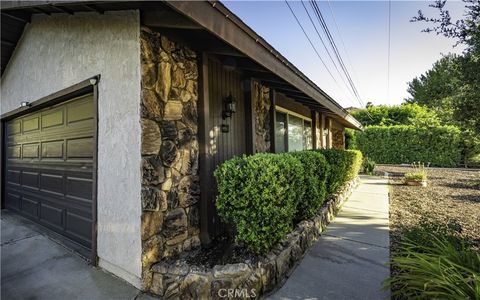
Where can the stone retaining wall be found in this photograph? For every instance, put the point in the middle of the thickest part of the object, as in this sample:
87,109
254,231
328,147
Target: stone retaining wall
170,184
247,280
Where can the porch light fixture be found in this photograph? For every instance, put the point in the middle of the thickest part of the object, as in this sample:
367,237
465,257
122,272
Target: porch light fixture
230,107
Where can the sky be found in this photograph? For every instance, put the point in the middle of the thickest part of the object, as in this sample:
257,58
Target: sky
362,38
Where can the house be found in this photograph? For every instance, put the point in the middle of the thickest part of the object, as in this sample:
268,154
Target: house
115,114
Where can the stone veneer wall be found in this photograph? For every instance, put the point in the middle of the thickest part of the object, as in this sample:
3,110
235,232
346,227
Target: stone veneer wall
261,106
180,280
170,184
338,140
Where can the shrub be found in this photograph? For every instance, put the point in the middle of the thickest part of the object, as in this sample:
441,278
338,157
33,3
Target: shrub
350,139
344,166
259,195
419,176
432,265
315,170
368,165
439,145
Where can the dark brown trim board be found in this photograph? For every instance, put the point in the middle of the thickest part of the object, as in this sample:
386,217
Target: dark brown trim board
204,155
249,117
87,86
273,119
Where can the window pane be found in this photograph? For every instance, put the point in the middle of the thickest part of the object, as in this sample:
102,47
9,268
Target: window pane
280,132
295,133
307,134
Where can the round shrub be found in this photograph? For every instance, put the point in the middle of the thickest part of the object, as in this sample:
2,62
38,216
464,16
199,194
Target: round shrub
315,171
259,195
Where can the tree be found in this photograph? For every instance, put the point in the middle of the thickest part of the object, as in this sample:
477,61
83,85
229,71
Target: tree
458,97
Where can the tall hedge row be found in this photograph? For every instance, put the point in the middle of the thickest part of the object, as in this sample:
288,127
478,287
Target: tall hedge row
263,195
437,145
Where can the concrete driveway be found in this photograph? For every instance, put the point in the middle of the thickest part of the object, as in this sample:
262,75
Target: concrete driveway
35,266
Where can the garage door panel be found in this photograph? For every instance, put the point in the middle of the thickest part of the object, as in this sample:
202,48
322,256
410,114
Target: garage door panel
30,207
13,177
52,183
13,201
31,124
49,168
53,149
30,180
52,215
53,118
80,148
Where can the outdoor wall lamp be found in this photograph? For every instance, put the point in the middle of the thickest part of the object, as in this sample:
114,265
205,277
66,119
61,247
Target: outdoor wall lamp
230,107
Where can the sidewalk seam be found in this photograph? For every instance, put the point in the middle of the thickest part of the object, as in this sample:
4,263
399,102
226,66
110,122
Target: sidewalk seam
360,242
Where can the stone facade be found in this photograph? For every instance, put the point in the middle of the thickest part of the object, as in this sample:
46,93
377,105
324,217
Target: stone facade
338,138
169,147
261,106
180,280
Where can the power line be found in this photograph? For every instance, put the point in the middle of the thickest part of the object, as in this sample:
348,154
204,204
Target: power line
326,49
310,41
335,49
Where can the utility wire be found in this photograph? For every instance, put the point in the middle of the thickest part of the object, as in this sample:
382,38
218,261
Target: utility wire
335,49
326,49
310,41
342,41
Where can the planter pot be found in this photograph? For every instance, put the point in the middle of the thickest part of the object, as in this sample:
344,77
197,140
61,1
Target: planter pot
416,182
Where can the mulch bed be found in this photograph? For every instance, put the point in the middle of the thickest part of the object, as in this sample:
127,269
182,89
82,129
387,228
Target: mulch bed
451,197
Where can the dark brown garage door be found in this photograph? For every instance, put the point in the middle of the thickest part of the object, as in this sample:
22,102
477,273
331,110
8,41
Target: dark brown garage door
49,158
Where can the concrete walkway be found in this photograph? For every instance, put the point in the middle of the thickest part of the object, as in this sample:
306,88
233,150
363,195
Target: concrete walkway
349,260
34,266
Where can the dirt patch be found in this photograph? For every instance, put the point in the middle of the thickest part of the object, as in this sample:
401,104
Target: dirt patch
452,197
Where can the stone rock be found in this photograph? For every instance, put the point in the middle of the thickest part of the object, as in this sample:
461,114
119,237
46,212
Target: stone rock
190,115
268,275
185,136
167,45
189,185
219,287
186,199
173,110
178,267
231,270
175,226
185,96
195,286
175,94
149,75
153,170
178,78
157,284
152,250
193,213
151,138
151,108
169,130
283,263
148,45
167,185
192,89
191,70
171,286
252,286
173,250
190,53
164,80
168,153
191,243
153,199
172,199
152,223
164,56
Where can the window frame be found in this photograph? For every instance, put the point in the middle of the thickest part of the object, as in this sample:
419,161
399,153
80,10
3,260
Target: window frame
288,112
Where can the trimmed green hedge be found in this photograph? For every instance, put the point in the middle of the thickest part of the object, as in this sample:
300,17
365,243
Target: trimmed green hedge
344,166
259,194
438,145
265,194
315,171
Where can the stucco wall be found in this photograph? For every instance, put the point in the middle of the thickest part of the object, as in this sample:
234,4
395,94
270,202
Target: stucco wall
60,50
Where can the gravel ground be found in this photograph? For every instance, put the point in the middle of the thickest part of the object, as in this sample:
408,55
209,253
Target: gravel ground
452,196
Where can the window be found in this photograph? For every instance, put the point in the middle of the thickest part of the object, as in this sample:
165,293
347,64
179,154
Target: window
293,132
